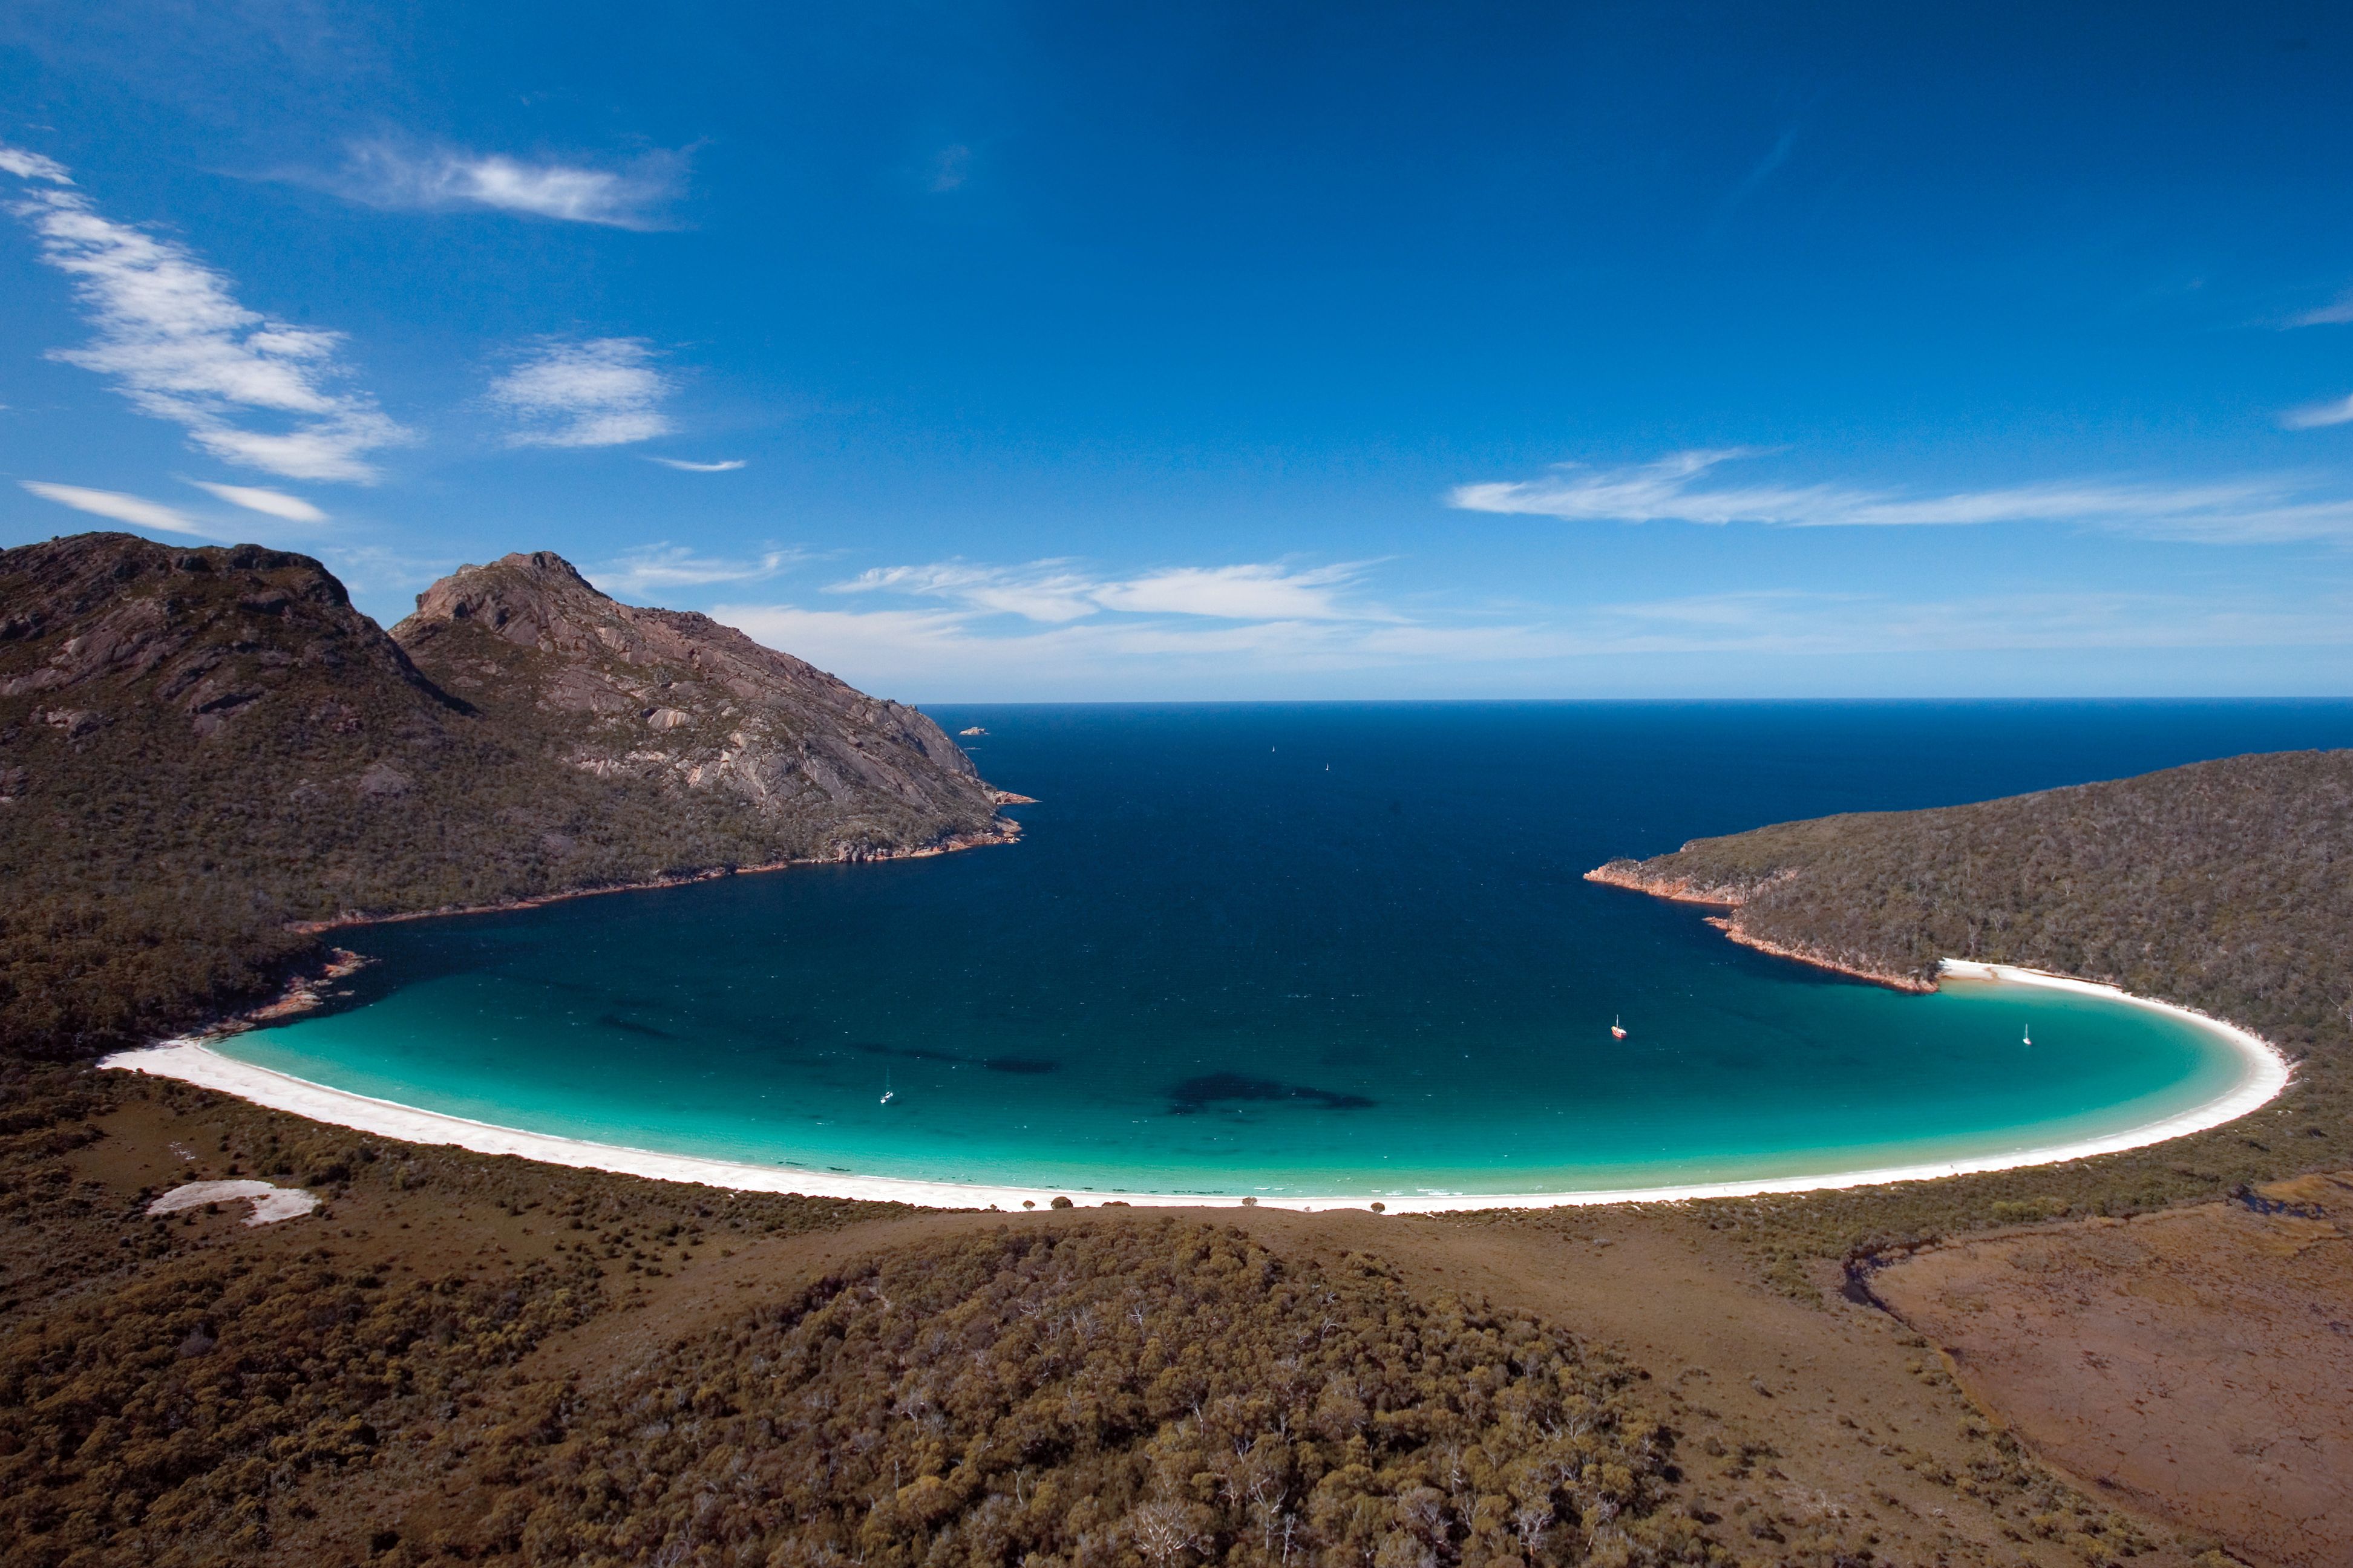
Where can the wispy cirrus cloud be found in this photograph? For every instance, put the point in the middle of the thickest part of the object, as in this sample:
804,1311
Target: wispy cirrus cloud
2318,416
651,568
27,165
2336,314
389,174
1048,591
1057,592
1252,593
1807,623
1682,487
113,505
172,336
944,649
1754,181
685,465
269,503
951,166
604,391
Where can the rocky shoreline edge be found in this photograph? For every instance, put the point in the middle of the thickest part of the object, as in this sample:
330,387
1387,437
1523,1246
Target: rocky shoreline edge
306,988
1629,875
1005,831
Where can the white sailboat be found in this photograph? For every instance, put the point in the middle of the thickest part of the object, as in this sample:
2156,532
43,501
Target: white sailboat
887,1090
1617,1029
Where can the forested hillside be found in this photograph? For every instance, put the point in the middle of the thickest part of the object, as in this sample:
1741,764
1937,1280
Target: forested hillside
2223,884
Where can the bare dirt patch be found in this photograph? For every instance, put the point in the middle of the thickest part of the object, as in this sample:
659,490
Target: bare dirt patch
2196,1363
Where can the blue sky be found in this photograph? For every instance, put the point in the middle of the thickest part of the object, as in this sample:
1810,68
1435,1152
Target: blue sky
1037,351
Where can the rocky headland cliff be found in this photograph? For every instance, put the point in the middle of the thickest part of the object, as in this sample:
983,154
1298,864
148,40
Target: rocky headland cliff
201,748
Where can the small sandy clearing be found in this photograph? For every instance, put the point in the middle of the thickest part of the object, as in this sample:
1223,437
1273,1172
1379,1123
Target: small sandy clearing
270,1202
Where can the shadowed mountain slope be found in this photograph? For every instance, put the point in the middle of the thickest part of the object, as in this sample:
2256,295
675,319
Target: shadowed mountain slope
200,745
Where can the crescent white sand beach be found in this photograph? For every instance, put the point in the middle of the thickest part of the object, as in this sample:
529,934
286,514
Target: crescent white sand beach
2264,1074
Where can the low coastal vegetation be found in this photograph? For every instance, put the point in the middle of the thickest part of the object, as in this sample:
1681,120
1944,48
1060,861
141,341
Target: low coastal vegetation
172,1392
2220,886
1162,1390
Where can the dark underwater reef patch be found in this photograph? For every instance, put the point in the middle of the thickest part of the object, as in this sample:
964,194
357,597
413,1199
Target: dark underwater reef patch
1021,1065
1195,1095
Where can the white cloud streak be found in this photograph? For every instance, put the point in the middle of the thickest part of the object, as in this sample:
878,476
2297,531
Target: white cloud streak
136,511
726,466
1045,591
2336,314
2318,416
175,341
652,568
2262,509
1056,592
269,503
33,166
1256,592
941,649
601,393
384,174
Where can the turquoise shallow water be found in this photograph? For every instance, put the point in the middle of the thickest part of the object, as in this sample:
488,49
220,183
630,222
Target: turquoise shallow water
1314,950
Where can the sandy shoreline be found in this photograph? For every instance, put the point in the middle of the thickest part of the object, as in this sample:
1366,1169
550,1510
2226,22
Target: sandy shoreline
2264,1073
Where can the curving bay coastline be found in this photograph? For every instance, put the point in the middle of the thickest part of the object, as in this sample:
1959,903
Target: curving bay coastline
2264,1073
1631,876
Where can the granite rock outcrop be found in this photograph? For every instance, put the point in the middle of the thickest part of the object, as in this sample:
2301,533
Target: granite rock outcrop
675,702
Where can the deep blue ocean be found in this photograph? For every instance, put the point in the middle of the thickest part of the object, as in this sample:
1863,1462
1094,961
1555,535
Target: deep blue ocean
1325,948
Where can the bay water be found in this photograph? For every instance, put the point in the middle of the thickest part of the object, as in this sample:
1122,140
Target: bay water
1325,948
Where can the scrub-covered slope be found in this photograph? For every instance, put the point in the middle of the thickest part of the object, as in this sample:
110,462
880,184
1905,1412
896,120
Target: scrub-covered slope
200,745
1161,1391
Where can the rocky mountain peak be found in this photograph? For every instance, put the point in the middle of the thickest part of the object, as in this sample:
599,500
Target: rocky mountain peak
101,627
675,699
528,598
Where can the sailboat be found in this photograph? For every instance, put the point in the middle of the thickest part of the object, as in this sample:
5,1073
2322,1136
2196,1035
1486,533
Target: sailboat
2029,1035
1617,1029
887,1090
